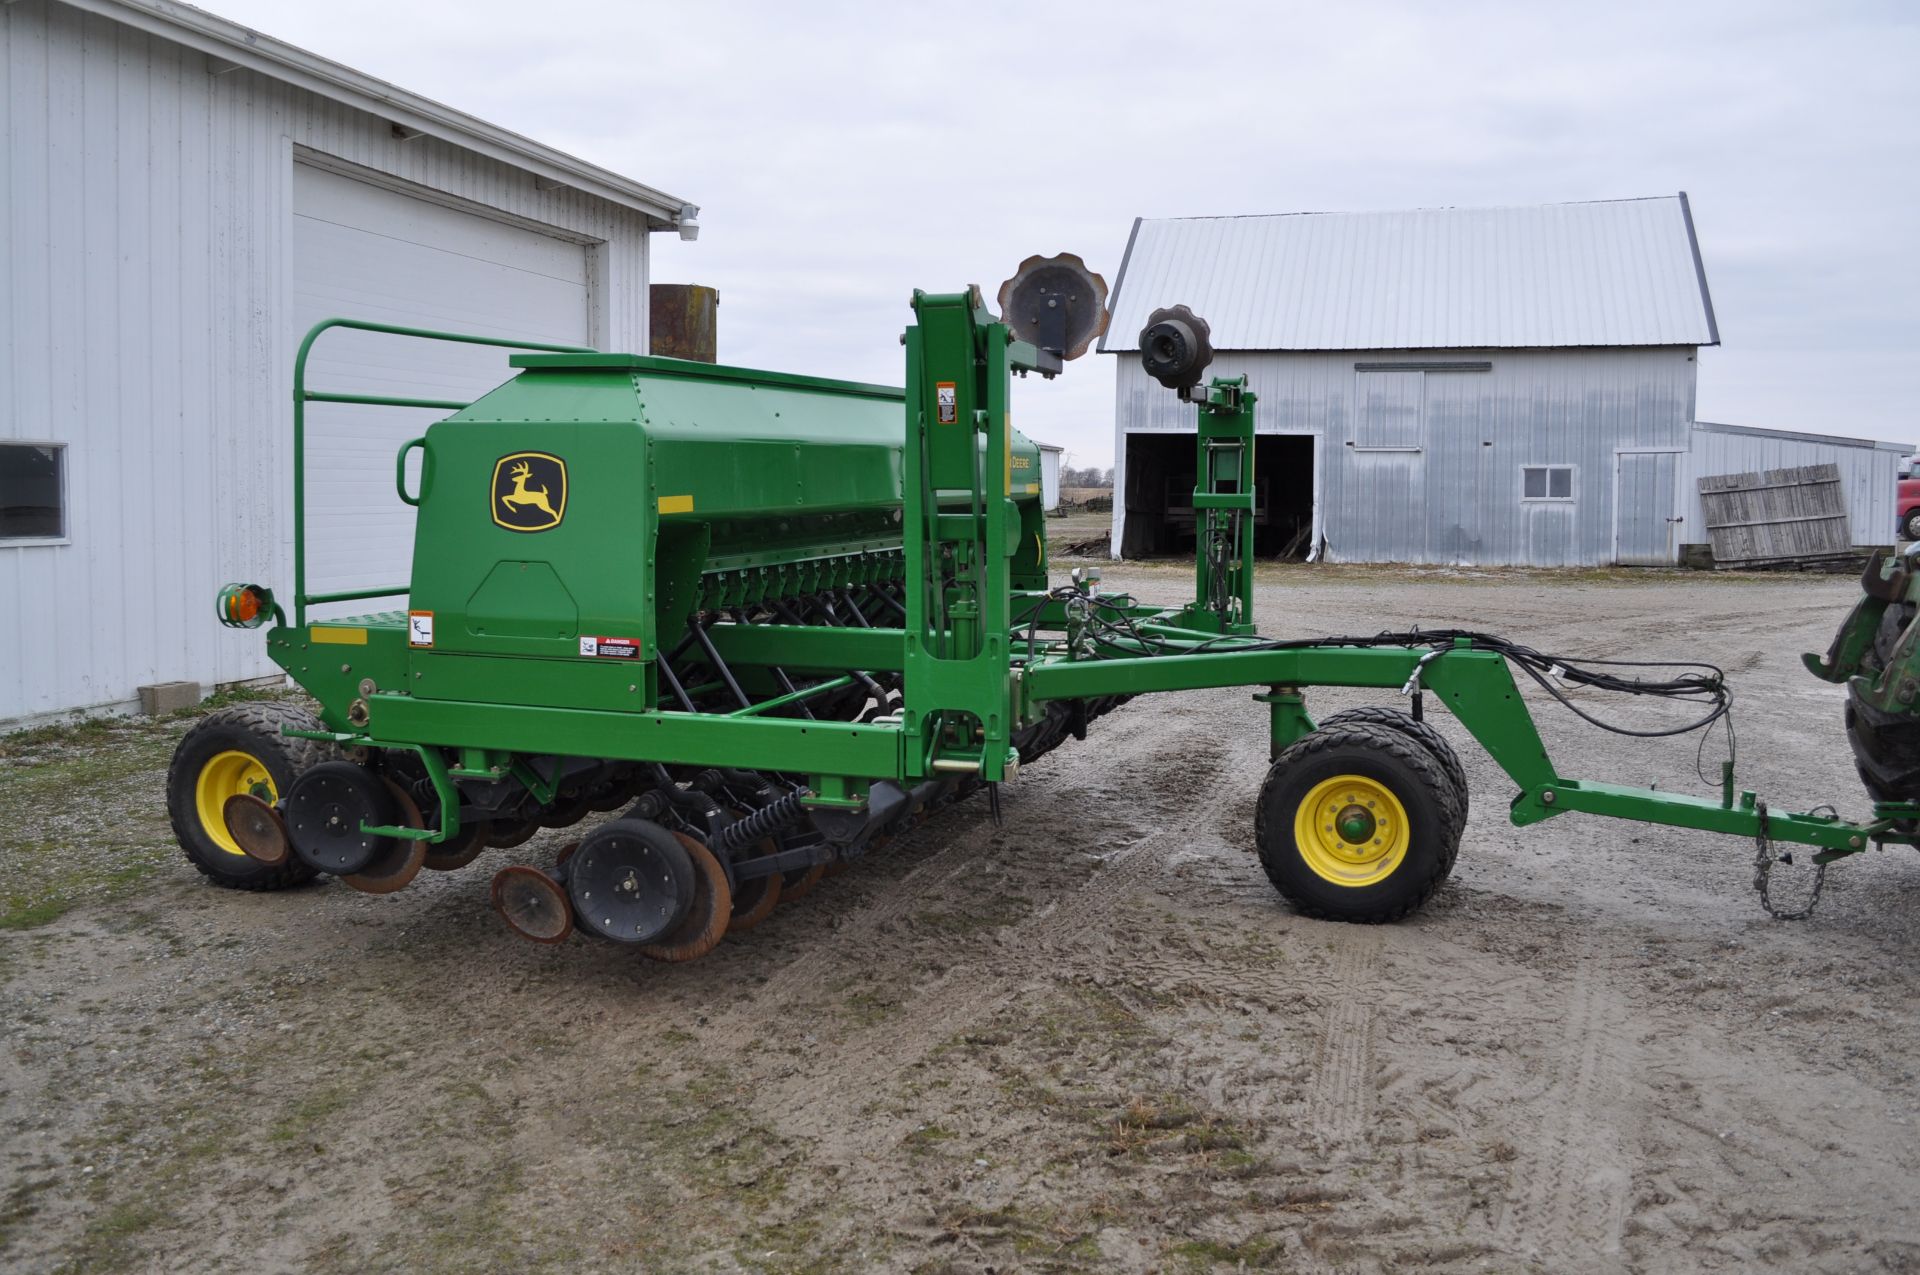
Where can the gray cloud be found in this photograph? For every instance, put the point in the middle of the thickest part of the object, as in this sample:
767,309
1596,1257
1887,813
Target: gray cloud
847,153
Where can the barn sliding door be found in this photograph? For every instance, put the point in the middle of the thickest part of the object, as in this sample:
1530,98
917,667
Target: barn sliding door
1389,467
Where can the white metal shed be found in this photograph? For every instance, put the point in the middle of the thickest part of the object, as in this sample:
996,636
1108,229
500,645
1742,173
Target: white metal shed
186,196
1869,472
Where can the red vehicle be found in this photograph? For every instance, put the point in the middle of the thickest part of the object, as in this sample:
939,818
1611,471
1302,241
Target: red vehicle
1908,500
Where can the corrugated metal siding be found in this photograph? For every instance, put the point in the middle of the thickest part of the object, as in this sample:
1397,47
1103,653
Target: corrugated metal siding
1868,473
1453,495
145,228
1619,273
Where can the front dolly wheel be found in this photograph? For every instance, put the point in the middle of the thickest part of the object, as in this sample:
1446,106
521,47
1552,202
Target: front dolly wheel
1355,823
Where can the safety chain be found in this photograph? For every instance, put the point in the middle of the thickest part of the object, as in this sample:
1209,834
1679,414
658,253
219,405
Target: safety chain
1763,870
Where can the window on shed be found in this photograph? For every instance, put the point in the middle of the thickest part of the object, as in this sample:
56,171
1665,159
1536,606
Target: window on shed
32,491
1546,482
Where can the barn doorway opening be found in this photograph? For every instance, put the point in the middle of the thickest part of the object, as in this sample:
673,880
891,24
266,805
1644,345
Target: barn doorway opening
1159,496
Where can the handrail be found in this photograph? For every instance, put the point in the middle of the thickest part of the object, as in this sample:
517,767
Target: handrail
302,396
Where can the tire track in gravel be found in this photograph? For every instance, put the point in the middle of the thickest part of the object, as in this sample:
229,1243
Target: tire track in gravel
980,982
1574,1177
1342,1083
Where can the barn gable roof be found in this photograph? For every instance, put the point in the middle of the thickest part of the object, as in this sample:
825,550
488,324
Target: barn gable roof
1616,272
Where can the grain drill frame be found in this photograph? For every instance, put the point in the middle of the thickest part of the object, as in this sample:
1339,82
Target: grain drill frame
778,618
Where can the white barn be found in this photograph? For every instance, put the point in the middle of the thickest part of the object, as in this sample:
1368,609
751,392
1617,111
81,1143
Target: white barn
185,197
1450,385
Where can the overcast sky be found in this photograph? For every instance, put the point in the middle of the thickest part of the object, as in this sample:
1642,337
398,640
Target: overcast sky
844,154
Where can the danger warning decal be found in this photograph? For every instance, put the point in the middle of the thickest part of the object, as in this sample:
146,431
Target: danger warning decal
610,648
946,398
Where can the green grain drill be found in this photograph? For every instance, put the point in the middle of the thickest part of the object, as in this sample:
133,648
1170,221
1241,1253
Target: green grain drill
776,620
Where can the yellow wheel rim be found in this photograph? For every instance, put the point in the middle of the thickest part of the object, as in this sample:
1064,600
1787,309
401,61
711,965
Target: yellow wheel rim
1352,831
225,775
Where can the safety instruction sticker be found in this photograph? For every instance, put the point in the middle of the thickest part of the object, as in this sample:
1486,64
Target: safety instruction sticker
420,628
946,400
610,648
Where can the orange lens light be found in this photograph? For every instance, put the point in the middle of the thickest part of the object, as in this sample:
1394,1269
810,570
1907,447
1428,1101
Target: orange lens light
244,606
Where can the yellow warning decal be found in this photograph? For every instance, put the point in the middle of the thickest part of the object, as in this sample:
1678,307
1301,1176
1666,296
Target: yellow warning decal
339,637
1033,489
676,504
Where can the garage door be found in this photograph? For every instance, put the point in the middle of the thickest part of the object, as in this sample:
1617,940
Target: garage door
363,252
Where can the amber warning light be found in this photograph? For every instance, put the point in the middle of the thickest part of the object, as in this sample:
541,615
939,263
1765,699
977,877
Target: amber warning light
245,606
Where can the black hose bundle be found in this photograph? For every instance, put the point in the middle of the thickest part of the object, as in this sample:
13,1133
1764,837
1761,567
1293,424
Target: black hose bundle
1100,625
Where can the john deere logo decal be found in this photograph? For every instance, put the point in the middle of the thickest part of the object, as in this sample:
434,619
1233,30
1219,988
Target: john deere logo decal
529,491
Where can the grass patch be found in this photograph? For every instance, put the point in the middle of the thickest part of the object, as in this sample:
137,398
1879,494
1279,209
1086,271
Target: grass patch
1203,1255
308,1113
111,1241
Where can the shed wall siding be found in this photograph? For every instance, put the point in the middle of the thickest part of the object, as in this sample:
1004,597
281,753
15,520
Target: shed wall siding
145,255
1869,476
1444,484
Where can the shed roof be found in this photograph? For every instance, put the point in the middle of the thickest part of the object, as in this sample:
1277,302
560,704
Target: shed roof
1800,436
244,47
1617,272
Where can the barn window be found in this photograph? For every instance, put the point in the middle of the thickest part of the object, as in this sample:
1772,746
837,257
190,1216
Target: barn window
33,492
1546,482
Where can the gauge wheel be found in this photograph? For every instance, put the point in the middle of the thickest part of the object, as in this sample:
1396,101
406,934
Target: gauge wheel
229,752
1353,824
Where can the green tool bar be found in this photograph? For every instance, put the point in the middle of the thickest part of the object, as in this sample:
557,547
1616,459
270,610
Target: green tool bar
1476,687
811,648
1322,665
690,739
1681,810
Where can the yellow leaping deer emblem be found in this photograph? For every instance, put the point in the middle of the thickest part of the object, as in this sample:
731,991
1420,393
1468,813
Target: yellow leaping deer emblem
529,491
521,497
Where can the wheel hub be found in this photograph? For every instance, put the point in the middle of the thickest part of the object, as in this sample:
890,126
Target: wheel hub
1352,830
1355,824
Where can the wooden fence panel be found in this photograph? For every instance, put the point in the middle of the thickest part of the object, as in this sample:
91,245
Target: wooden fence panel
1777,517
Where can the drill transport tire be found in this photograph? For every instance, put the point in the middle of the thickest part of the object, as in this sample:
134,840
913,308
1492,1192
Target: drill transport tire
1355,823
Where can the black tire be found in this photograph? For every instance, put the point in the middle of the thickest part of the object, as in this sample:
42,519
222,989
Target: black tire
1430,739
1376,758
252,730
1910,525
1886,746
